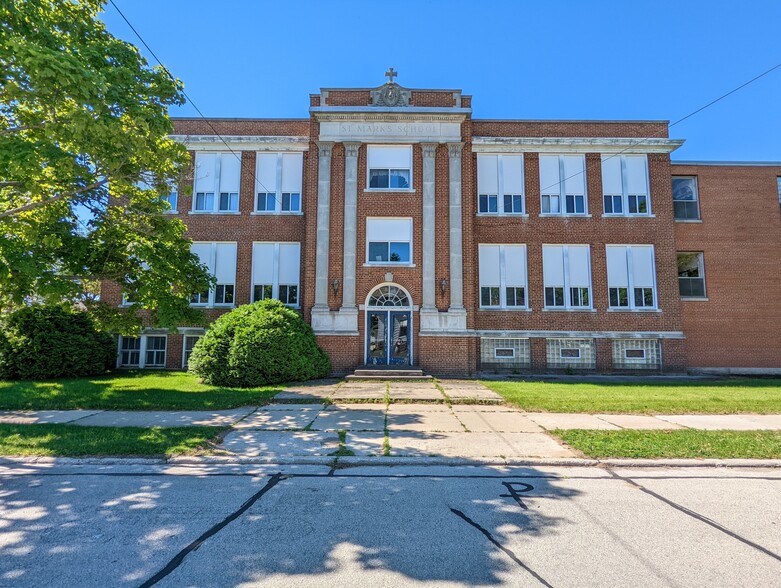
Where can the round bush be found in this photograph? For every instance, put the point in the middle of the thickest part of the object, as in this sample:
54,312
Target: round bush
258,344
42,342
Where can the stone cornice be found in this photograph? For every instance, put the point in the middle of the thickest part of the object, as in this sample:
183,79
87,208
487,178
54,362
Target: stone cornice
384,114
574,144
243,142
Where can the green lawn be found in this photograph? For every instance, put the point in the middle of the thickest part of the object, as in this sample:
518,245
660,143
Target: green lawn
725,396
680,443
76,441
132,390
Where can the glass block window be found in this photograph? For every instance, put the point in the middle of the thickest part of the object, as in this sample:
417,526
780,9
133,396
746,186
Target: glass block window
637,354
505,353
572,353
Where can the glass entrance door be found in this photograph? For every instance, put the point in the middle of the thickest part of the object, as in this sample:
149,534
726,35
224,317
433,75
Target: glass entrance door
387,337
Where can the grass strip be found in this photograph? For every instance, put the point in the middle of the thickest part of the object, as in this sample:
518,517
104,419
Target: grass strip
685,443
130,390
77,441
723,396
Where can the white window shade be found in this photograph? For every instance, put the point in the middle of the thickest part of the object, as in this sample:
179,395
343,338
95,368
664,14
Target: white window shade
487,174
636,174
617,275
574,174
579,266
266,172
204,253
206,172
389,157
488,259
225,272
292,172
642,266
230,172
512,174
289,263
515,265
611,174
549,174
263,269
553,265
389,229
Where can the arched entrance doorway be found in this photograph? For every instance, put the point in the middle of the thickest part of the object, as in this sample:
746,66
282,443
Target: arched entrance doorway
389,326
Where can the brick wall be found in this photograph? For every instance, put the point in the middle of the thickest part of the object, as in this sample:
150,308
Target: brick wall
740,236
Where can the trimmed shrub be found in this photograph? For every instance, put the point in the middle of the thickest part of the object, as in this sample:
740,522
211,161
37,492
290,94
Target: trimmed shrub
256,345
42,342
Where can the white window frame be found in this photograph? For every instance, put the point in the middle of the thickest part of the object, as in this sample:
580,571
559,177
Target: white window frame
696,184
503,279
184,347
142,352
701,267
411,262
278,193
625,189
631,280
216,195
566,286
210,300
578,357
500,196
275,273
389,189
562,191
497,356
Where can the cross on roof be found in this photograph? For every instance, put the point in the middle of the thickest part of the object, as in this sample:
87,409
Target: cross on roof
391,74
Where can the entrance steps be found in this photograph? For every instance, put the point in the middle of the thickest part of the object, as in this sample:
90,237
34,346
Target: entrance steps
373,372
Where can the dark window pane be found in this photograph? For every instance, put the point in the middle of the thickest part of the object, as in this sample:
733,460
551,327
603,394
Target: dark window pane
608,204
570,203
613,295
580,204
285,201
517,203
483,205
632,200
399,252
378,252
399,178
379,178
493,203
508,203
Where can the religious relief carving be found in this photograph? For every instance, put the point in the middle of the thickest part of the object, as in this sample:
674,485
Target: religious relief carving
455,150
324,148
429,149
390,94
351,149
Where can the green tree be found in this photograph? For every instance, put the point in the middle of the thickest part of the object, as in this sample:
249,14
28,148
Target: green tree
85,160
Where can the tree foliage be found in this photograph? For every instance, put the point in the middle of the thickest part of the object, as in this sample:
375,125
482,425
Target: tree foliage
83,124
42,342
259,344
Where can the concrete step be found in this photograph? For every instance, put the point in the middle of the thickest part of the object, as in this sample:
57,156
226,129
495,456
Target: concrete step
355,378
388,373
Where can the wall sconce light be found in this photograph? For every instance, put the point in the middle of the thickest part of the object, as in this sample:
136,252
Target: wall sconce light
442,286
335,285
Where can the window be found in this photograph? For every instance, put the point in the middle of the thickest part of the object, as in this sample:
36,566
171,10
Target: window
389,241
691,275
276,271
389,168
637,354
188,346
142,352
502,272
500,184
217,174
631,277
686,198
279,182
220,258
563,184
625,185
566,273
571,353
505,353
172,198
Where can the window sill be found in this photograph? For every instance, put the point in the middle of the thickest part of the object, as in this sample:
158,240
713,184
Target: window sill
395,190
275,213
640,310
503,214
689,220
171,212
387,264
504,309
608,215
216,212
212,306
556,309
559,215
695,298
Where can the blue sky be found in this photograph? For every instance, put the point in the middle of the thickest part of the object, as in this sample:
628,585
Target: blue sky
647,59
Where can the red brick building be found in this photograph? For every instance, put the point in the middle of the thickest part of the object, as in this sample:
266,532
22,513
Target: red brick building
409,233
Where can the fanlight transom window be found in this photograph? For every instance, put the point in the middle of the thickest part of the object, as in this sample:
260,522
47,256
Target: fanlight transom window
389,296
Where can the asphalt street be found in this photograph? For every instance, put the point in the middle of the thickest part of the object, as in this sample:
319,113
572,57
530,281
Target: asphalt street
210,525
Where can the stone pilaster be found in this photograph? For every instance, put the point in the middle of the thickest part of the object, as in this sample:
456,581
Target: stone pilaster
323,225
350,224
456,232
429,229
